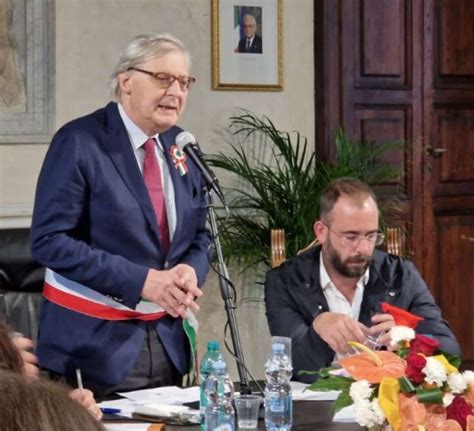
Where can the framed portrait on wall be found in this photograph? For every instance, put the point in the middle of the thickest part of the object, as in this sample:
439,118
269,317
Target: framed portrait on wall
247,45
26,70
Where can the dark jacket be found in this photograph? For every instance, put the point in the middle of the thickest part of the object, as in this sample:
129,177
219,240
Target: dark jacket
293,299
254,48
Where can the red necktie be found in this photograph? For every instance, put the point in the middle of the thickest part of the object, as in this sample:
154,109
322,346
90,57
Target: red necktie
152,177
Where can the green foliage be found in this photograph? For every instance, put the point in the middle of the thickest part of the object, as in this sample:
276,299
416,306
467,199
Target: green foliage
343,400
283,192
331,383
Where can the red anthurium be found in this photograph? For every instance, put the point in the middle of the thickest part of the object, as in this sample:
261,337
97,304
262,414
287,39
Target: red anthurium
401,317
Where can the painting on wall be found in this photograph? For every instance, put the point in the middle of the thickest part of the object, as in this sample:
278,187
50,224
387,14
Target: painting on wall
26,70
247,45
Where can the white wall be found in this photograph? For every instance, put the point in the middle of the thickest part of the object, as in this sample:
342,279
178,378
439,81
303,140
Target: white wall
89,36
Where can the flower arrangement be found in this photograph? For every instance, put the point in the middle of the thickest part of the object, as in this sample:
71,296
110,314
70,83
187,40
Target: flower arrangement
414,386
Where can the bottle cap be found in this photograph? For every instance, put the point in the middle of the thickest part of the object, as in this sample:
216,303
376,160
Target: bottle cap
278,348
213,345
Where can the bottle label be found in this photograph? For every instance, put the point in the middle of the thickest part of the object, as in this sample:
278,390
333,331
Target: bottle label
277,404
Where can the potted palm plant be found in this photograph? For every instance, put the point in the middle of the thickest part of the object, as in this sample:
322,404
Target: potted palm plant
281,188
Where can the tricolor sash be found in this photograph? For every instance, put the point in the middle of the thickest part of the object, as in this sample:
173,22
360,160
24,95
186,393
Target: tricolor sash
82,299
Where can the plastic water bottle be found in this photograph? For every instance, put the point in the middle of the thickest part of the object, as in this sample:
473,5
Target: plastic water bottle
278,400
220,414
212,356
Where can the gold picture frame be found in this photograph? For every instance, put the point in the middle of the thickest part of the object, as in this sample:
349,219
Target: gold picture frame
247,45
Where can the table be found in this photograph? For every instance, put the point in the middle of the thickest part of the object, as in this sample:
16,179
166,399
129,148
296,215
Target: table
307,416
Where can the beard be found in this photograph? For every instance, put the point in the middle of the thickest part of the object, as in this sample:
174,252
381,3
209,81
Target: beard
342,266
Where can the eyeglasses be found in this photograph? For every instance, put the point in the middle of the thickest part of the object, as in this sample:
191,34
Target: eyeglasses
353,240
165,80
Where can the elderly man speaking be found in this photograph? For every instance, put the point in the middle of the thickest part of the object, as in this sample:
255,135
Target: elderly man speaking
119,221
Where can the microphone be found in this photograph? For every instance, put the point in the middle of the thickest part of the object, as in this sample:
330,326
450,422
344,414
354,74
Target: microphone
187,142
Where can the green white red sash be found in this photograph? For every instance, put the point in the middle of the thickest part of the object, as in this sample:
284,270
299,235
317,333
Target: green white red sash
82,299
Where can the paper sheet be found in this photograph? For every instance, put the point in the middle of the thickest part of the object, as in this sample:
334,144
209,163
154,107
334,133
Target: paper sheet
345,415
164,395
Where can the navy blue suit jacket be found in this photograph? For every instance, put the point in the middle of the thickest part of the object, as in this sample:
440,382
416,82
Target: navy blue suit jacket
94,223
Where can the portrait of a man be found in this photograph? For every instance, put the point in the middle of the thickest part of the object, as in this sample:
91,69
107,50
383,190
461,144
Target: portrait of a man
250,41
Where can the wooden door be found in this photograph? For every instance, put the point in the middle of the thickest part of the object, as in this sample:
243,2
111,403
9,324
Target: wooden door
448,162
404,69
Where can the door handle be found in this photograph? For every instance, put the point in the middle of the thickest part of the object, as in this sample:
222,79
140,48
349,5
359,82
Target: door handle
435,152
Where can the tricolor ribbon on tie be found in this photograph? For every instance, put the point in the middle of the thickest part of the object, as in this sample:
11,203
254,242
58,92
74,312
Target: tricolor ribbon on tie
179,159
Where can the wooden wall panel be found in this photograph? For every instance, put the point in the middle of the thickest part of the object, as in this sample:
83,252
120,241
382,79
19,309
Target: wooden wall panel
382,123
452,287
453,133
382,44
454,42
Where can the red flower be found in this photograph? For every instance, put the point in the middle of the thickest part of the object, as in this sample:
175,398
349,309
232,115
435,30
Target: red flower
459,410
415,363
401,317
424,344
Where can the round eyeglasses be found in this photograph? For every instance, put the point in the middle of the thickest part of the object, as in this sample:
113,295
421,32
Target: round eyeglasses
165,80
353,240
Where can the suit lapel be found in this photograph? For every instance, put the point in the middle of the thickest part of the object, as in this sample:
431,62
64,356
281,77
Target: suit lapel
120,151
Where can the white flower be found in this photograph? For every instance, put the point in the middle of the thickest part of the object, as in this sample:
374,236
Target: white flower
400,333
448,398
434,372
368,413
457,383
360,390
468,377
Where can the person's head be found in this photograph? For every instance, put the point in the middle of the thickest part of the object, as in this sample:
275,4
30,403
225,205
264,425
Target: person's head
40,405
151,80
10,358
348,226
250,26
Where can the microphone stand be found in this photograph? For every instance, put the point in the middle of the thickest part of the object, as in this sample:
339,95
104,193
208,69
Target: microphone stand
227,297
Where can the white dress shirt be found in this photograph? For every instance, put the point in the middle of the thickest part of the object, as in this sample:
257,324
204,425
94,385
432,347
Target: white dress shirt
337,302
137,139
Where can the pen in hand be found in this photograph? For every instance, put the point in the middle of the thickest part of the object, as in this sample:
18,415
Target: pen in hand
79,382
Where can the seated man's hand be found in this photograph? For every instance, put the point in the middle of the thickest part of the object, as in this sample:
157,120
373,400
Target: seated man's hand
30,361
86,398
381,324
338,329
174,289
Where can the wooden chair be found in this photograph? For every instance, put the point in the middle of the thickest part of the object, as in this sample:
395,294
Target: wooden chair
395,242
277,247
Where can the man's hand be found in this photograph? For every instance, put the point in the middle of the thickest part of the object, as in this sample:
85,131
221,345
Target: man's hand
174,289
380,329
86,398
30,361
338,329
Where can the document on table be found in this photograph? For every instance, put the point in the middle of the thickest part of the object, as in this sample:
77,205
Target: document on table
126,427
165,395
346,414
300,393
